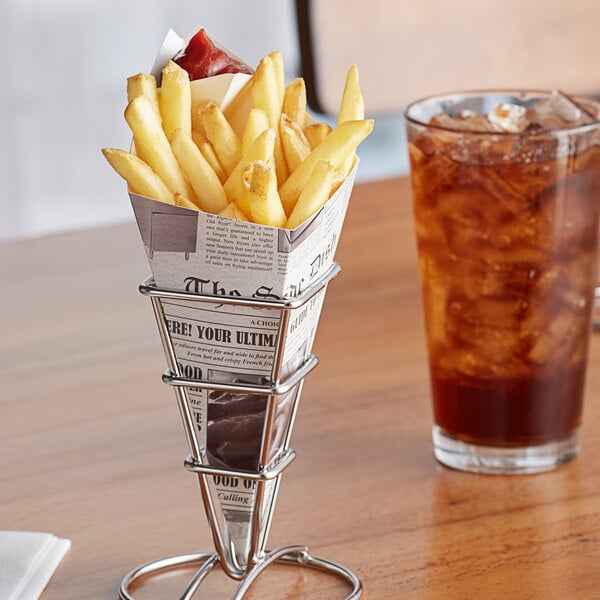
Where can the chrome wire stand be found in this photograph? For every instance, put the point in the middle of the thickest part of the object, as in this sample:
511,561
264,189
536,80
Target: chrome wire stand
242,558
206,561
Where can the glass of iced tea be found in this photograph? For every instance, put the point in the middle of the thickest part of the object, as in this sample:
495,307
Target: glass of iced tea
506,194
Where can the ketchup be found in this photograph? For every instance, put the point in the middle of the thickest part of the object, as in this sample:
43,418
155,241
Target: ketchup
202,58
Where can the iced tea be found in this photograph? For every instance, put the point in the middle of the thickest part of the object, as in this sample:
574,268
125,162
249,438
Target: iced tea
506,216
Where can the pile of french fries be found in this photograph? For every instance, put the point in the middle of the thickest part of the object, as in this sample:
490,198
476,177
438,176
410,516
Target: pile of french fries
276,169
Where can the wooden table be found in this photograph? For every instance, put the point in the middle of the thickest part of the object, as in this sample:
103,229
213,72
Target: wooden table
92,444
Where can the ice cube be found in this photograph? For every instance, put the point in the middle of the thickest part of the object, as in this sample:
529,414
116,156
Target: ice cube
428,228
458,362
541,349
574,300
558,337
434,299
483,351
498,314
495,183
580,271
465,121
432,174
509,117
559,111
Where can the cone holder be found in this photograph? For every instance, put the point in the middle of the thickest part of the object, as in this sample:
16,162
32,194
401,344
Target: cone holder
240,536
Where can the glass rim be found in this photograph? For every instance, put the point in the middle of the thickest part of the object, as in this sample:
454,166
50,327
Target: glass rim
577,98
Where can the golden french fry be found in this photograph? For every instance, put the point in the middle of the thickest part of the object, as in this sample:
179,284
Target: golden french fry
265,204
314,195
316,133
278,67
185,203
266,95
175,100
338,179
260,149
352,107
204,181
143,85
198,137
265,92
198,105
257,122
221,135
213,160
140,177
209,154
342,141
347,166
295,144
280,165
243,201
231,211
294,101
152,142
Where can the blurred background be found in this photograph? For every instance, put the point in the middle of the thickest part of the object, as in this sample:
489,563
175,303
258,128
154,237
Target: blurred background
66,64
64,94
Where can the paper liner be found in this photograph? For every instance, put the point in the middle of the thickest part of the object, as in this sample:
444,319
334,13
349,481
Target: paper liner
202,253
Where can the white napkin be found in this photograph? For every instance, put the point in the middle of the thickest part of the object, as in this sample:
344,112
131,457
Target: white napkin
27,561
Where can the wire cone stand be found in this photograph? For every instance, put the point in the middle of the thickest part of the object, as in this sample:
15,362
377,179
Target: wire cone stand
239,474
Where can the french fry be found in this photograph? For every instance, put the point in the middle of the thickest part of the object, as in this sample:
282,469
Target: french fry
198,105
257,122
175,100
152,142
342,141
209,154
314,195
231,211
140,177
266,95
221,135
352,108
294,102
316,133
278,67
338,179
260,149
295,144
143,85
265,92
279,158
198,137
265,204
213,160
204,181
185,203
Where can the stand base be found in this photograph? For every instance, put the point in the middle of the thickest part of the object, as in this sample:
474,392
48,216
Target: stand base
474,458
290,555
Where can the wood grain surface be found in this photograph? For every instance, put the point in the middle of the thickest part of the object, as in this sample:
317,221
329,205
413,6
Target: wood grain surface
92,444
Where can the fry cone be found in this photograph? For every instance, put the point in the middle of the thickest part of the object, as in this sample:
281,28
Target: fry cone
237,304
